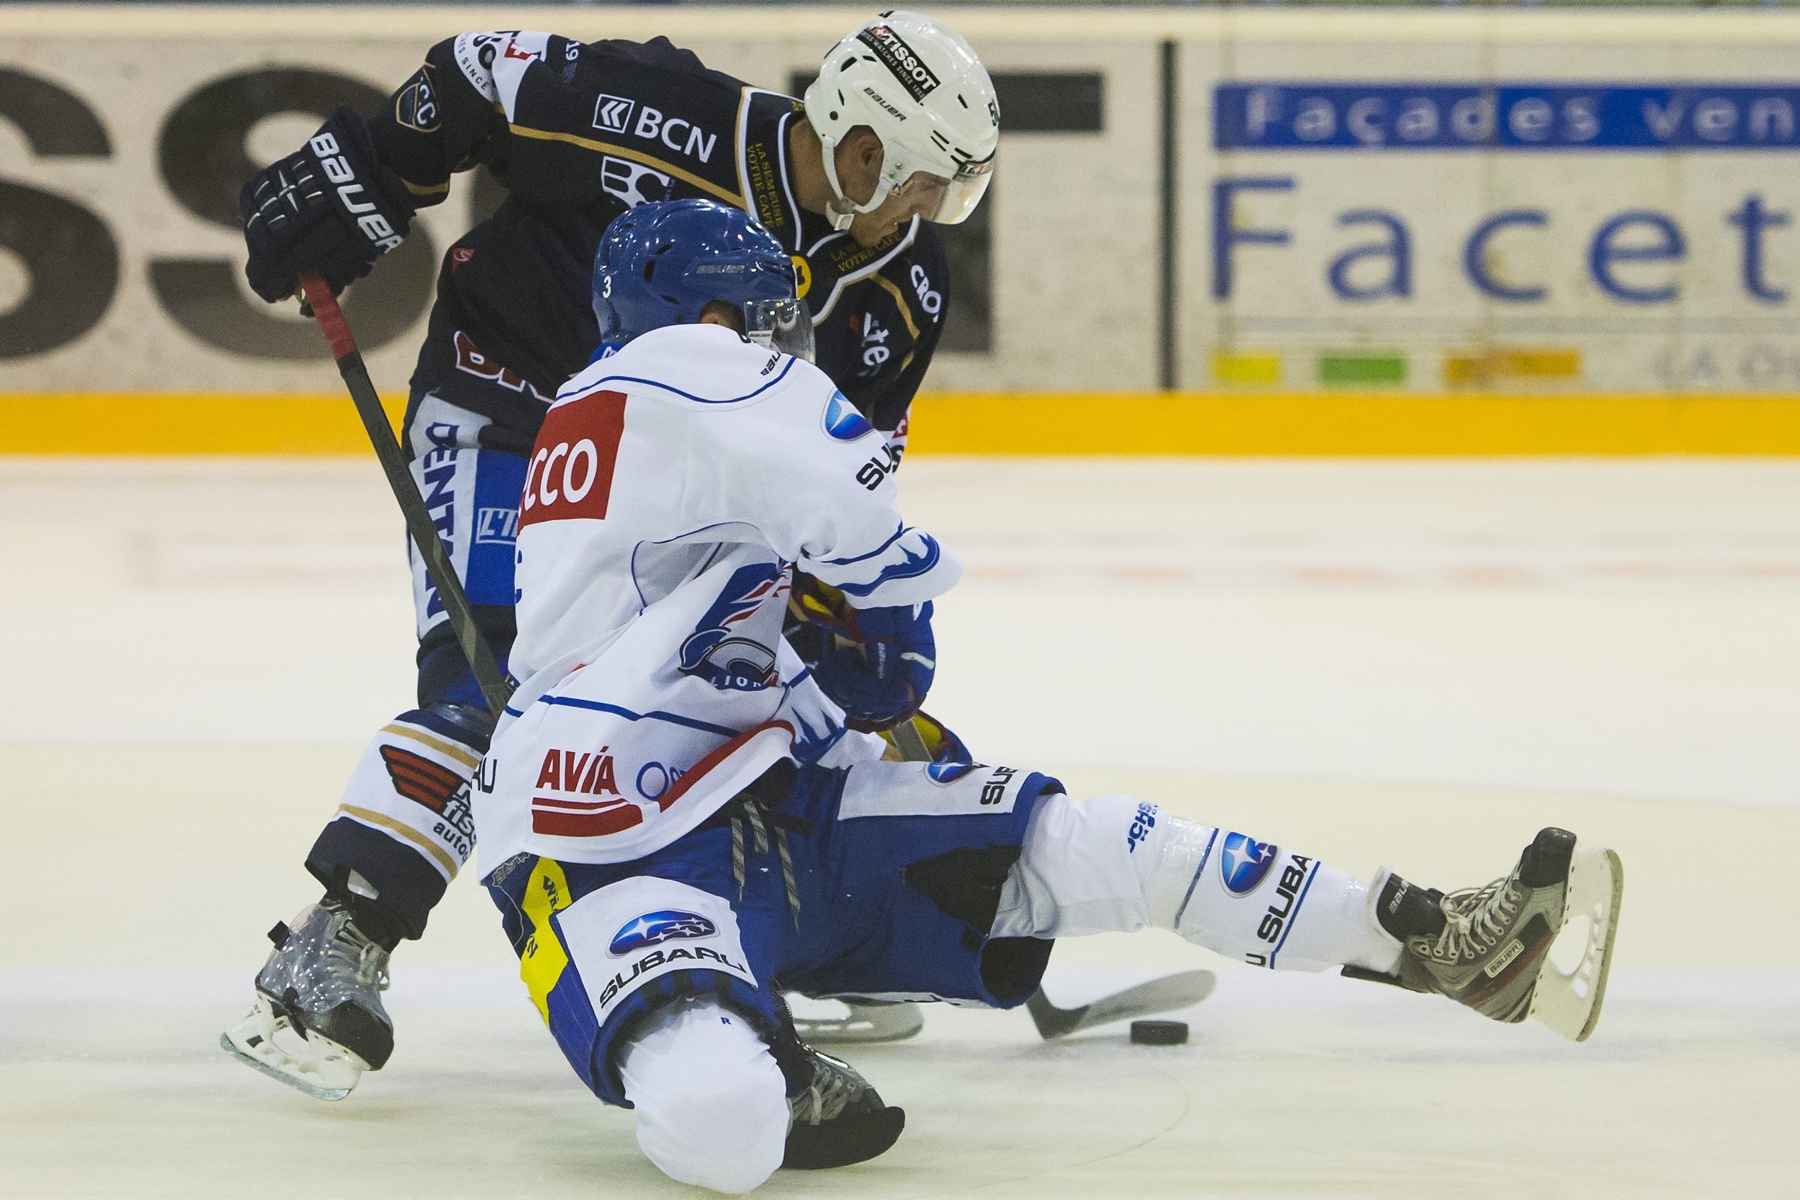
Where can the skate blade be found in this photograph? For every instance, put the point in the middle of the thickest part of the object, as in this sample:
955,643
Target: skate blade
327,1071
892,1022
1572,983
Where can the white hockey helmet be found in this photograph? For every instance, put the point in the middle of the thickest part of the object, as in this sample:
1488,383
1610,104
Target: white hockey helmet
926,95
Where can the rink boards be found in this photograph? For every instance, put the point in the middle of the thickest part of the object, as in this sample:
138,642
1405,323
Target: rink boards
1212,232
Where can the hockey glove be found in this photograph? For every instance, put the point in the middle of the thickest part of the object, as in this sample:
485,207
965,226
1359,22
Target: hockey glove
879,664
329,207
817,613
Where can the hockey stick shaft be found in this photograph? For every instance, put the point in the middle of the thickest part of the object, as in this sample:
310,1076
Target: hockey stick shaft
494,687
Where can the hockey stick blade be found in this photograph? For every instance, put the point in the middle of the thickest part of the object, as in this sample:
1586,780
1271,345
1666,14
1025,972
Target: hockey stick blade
1167,994
494,686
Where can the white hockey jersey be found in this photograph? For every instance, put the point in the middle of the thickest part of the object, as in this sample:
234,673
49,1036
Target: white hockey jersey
671,491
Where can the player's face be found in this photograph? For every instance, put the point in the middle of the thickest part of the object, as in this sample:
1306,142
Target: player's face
919,196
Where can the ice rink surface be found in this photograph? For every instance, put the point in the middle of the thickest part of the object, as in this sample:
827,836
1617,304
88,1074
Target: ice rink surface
1411,663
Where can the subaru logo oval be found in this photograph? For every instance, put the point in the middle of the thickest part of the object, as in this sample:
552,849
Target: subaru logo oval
842,421
655,928
1244,862
948,772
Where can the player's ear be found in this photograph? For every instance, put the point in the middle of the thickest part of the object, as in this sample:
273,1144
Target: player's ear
859,158
724,312
867,145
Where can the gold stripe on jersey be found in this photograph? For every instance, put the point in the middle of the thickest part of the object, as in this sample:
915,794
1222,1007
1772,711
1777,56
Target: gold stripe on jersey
900,300
404,830
905,315
760,170
636,156
424,189
448,749
862,262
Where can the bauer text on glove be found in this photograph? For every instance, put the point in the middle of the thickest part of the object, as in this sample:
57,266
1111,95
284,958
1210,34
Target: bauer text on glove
330,207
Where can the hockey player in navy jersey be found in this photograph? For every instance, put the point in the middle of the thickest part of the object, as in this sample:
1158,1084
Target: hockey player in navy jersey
899,131
674,488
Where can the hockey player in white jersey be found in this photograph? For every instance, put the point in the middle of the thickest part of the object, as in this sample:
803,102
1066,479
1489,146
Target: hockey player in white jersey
681,824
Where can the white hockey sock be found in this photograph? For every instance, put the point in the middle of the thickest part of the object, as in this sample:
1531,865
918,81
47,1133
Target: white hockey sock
1119,864
711,1102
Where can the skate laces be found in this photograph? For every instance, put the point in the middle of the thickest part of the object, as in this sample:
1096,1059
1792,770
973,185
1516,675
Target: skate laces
835,1086
368,960
1474,920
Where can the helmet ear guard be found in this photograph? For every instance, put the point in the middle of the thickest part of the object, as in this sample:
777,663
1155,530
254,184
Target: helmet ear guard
926,95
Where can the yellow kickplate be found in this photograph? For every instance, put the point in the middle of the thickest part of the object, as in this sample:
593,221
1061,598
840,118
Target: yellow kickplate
1349,421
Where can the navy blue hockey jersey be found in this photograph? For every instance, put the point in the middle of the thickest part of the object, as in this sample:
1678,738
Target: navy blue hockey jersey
576,133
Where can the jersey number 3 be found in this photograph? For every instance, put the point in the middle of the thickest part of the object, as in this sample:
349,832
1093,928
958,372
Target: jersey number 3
571,470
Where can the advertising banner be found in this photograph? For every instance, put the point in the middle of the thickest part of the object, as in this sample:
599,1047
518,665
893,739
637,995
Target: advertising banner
1282,230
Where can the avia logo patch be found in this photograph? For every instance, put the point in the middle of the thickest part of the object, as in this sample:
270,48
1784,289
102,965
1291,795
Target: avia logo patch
947,772
843,421
579,776
653,929
586,774
1245,862
613,113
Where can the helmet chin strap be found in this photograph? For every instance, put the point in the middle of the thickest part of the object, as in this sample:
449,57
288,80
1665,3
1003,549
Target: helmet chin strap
842,211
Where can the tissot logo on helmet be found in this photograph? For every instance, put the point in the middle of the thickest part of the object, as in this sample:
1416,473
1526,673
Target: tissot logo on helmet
899,58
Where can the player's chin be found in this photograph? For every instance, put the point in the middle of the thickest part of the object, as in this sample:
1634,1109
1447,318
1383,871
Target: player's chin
873,232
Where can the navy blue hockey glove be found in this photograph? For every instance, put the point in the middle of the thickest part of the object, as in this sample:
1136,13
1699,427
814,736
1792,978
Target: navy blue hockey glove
878,664
329,207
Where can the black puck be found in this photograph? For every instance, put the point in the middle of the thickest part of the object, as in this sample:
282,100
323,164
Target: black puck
1159,1033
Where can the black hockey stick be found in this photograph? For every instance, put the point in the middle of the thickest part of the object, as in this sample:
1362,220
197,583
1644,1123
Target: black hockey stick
1167,994
494,686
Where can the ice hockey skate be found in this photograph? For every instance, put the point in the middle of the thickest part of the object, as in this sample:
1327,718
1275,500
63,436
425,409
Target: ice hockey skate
318,1022
1499,949
839,1119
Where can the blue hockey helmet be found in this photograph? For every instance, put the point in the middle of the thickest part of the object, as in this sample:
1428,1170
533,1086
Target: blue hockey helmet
661,263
